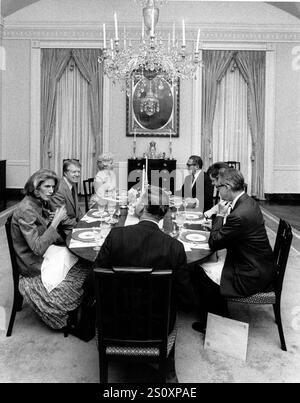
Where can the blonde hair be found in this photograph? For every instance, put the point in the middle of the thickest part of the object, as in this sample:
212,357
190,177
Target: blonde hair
103,161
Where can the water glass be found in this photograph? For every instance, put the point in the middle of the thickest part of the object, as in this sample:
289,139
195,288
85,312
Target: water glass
105,229
180,220
177,203
123,198
98,238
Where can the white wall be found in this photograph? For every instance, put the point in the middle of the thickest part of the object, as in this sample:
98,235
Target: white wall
64,21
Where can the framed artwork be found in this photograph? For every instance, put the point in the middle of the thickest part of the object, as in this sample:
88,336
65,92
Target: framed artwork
152,108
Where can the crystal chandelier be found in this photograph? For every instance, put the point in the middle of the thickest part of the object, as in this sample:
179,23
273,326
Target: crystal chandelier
155,55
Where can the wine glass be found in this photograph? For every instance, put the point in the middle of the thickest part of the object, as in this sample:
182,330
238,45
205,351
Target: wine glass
105,229
185,204
180,220
123,197
98,238
177,203
101,206
111,208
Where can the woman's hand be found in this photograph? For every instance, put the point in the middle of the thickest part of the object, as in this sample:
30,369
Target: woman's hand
60,215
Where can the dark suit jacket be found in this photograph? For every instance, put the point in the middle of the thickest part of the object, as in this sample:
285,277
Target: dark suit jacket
202,189
249,266
145,245
64,196
31,236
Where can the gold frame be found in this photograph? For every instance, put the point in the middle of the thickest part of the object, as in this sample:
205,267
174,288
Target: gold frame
160,124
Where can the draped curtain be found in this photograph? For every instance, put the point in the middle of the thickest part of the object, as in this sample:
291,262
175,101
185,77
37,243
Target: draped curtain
54,62
231,131
72,135
215,64
251,64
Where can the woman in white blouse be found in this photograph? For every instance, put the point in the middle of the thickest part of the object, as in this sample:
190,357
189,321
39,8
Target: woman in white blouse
105,179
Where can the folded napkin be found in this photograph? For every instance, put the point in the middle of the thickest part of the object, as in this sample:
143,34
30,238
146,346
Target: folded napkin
58,260
89,219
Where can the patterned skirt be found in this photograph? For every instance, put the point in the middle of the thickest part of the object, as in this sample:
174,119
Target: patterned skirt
53,307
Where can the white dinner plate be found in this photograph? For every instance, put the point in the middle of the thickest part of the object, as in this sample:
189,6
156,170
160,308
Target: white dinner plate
195,237
97,214
193,216
84,235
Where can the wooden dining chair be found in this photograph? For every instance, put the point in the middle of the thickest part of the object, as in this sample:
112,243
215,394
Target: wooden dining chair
88,191
133,313
18,298
281,252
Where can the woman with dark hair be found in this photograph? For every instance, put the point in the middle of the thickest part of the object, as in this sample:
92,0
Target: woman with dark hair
33,232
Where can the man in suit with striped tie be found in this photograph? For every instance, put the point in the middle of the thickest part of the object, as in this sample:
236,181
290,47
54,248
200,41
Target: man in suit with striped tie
246,265
197,184
67,192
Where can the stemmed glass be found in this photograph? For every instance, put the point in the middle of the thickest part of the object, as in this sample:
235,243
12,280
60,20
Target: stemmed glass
180,220
111,208
105,228
98,238
185,204
101,206
177,203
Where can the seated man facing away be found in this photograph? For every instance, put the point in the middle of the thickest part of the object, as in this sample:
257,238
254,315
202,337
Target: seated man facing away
197,184
247,266
145,245
67,192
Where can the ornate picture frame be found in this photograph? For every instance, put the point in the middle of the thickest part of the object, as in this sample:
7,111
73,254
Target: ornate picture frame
152,108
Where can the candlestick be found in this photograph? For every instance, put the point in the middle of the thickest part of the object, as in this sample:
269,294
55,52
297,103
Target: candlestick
152,23
198,40
146,174
116,27
104,37
183,33
143,180
143,29
173,33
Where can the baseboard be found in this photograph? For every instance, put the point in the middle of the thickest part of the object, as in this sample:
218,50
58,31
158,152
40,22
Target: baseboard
293,198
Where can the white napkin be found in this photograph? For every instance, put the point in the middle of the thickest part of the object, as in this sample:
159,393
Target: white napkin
58,260
188,246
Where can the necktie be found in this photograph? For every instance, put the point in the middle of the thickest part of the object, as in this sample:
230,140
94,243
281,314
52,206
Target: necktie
74,194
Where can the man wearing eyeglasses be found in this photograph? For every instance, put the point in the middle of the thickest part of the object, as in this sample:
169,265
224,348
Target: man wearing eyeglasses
247,265
197,184
67,192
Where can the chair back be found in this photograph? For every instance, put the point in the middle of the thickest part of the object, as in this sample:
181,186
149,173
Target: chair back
281,252
133,307
12,253
88,190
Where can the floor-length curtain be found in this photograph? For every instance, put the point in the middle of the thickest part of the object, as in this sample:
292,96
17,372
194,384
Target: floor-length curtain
231,131
73,136
215,64
87,62
252,65
53,64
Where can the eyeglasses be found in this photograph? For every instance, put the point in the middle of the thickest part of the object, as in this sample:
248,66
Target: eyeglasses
219,186
190,165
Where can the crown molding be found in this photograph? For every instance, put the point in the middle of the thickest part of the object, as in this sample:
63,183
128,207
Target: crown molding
209,32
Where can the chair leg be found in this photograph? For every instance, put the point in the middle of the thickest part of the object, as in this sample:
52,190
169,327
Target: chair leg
162,368
20,303
12,318
103,371
277,313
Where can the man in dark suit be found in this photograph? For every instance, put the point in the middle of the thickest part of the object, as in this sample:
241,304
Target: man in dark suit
197,184
145,245
247,266
67,192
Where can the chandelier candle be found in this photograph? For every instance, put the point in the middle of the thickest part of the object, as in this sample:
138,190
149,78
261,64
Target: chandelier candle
104,37
183,33
152,23
198,40
116,27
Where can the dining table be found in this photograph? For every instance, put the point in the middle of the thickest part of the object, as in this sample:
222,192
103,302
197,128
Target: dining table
195,253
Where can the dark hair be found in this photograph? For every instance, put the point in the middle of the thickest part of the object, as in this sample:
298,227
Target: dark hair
156,202
197,160
232,177
37,179
215,168
69,162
